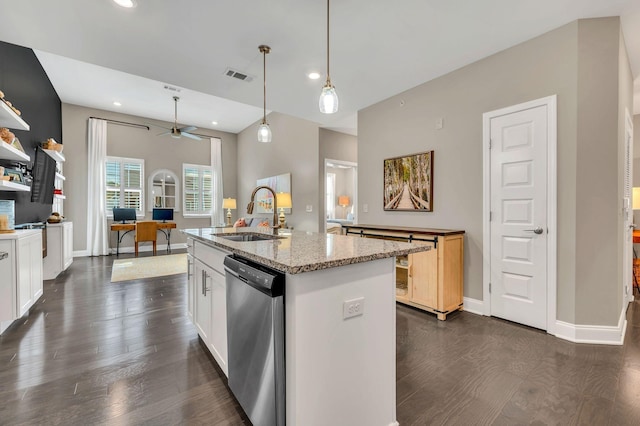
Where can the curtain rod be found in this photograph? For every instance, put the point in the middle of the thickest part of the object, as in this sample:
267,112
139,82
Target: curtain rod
122,123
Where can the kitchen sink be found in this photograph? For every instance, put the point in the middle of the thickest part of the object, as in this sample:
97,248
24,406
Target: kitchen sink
249,237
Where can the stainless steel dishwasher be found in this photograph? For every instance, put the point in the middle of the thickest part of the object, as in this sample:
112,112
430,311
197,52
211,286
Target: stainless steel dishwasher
255,339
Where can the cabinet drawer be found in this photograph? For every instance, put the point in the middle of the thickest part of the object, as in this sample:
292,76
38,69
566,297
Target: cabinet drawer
210,256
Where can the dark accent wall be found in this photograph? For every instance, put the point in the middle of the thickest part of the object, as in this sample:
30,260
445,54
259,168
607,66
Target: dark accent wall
26,85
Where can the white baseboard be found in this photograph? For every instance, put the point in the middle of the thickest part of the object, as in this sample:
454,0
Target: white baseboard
597,334
149,247
474,306
81,253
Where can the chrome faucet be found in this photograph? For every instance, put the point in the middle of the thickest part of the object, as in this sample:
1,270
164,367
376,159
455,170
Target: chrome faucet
276,225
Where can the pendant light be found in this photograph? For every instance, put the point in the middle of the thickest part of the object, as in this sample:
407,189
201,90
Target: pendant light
328,98
264,132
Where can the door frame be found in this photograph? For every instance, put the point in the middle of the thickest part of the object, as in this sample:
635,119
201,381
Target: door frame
627,277
552,202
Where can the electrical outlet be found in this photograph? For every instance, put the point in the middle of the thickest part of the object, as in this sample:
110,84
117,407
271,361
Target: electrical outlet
352,308
309,208
439,123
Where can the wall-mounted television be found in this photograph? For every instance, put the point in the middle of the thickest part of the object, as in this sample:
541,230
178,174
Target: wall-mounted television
124,215
162,214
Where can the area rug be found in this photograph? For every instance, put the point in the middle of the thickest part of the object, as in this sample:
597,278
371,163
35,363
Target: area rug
148,267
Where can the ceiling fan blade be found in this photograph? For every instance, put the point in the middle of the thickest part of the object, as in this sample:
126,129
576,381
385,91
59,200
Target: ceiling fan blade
165,133
189,135
188,128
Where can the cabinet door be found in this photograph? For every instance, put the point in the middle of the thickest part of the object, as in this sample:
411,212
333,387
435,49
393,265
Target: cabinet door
191,290
423,277
202,302
23,257
35,254
218,344
67,246
8,282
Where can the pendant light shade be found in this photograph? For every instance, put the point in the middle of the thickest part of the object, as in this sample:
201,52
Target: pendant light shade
264,131
328,97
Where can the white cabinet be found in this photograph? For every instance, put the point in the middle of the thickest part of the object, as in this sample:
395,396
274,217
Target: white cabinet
59,249
203,302
206,298
21,272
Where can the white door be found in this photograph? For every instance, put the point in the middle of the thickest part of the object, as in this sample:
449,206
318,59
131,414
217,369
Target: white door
518,167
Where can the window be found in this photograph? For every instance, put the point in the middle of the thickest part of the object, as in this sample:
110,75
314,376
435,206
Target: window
197,190
124,188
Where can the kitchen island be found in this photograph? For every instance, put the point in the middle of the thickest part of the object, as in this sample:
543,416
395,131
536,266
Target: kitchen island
340,364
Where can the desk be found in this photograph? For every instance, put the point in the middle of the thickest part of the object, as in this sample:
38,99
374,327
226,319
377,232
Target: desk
164,227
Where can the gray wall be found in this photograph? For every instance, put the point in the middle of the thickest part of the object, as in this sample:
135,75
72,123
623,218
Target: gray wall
558,62
158,153
294,149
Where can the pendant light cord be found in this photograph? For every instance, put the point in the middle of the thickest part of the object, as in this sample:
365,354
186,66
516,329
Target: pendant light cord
328,78
264,97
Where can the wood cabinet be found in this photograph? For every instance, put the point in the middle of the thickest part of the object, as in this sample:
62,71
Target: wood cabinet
207,298
59,249
21,272
432,280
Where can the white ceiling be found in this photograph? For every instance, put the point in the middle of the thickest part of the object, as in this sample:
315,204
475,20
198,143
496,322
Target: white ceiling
96,52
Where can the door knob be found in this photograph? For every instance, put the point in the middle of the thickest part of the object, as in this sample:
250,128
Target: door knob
538,230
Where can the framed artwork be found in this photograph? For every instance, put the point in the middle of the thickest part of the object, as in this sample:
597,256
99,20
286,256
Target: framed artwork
14,175
408,183
264,198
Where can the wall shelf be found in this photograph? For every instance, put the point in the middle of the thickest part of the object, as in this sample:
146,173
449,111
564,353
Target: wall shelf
55,155
7,185
60,176
60,197
7,152
10,119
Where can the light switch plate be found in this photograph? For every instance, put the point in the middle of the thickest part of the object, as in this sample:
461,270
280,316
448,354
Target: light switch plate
365,208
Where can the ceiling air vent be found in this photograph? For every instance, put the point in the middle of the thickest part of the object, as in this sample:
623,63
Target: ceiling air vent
172,88
239,75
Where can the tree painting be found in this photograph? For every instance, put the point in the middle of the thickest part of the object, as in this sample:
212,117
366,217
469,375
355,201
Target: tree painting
408,182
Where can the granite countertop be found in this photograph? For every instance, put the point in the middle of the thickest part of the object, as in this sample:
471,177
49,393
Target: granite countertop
406,229
3,255
299,252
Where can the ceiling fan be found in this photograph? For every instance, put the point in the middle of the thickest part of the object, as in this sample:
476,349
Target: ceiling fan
176,132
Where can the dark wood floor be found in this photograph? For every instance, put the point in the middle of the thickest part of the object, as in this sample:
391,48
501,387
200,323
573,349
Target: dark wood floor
92,352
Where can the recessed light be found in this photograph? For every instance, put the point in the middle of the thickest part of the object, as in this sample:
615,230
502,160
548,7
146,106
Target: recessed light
116,103
126,3
314,75
215,123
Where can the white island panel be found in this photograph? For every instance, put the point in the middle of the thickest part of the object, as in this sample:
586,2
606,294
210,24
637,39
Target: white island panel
341,371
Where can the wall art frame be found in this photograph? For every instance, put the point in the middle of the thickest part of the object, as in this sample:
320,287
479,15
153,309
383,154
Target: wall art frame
408,183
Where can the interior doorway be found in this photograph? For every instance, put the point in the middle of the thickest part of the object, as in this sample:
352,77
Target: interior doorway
340,194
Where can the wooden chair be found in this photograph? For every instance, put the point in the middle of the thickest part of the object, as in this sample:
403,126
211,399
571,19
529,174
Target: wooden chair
146,231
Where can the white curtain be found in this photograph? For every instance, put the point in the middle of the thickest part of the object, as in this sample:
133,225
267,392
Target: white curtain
217,212
97,234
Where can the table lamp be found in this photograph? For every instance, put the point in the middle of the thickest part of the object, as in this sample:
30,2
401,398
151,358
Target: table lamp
283,199
344,201
229,203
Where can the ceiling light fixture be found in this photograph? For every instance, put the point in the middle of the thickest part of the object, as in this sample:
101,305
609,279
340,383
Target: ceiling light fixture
215,123
116,103
126,3
328,96
264,132
314,75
